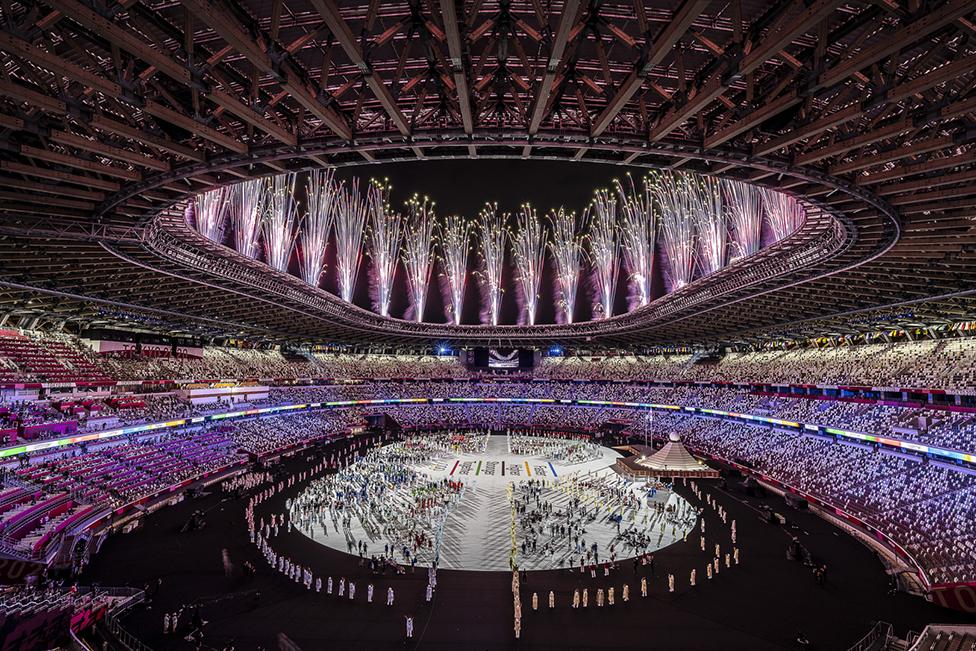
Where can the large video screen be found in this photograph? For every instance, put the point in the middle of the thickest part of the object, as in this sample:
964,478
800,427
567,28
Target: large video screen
501,359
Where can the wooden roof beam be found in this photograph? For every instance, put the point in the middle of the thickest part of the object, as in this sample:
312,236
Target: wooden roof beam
889,44
329,11
966,176
169,66
785,32
100,148
290,78
55,175
882,157
566,21
846,145
79,163
753,119
453,34
663,43
933,165
109,125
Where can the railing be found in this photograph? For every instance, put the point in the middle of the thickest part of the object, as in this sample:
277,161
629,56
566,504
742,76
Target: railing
876,639
112,623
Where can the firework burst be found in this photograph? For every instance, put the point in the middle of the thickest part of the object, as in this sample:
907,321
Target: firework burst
492,236
604,237
784,213
350,223
418,251
744,203
247,201
529,243
567,257
385,238
675,194
711,227
210,213
281,221
455,245
637,234
323,192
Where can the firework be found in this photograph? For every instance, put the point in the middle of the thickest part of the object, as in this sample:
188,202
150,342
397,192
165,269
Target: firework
418,251
385,238
567,256
744,203
210,212
493,234
711,228
280,222
637,235
322,191
785,214
247,201
350,221
455,243
604,239
529,243
675,196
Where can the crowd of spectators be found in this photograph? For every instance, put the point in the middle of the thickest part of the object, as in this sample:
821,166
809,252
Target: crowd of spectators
237,363
928,508
933,363
926,425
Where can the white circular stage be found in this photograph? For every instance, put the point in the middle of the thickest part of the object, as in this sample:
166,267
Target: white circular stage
480,502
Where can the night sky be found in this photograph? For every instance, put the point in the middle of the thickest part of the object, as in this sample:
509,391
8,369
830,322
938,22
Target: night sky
463,187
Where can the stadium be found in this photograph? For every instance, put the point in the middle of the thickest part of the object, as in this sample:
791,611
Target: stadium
481,324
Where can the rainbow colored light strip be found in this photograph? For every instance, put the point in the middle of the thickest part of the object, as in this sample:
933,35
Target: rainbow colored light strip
945,453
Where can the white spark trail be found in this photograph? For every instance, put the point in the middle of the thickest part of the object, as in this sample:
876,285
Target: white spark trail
350,223
711,226
281,221
322,191
418,251
386,236
210,213
785,214
247,201
674,194
567,256
455,245
604,237
492,236
529,243
638,236
744,203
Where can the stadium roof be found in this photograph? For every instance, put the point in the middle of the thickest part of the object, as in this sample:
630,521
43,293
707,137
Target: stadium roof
111,113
